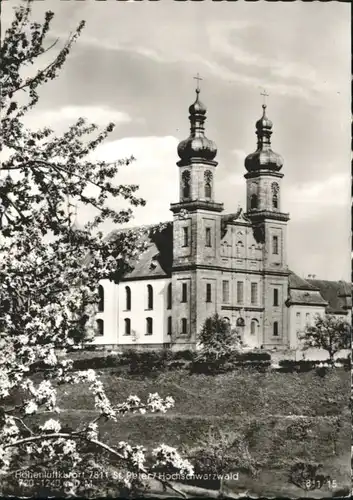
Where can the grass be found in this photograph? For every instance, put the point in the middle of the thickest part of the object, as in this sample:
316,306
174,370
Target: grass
262,405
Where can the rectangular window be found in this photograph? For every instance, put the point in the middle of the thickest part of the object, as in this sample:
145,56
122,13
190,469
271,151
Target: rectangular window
275,245
298,317
253,293
184,292
208,292
184,325
275,329
307,317
208,237
185,236
169,325
225,292
275,297
240,292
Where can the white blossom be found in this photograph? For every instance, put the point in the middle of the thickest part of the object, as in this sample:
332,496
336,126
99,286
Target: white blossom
51,425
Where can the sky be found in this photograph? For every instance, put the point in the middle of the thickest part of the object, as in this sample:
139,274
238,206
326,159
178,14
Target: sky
134,65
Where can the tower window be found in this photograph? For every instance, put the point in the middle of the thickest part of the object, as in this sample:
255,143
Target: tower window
208,184
101,298
225,292
100,328
253,201
169,296
149,326
169,325
127,298
184,292
275,201
208,292
186,183
275,329
184,325
240,292
275,245
127,322
185,236
275,297
149,297
253,293
208,237
275,191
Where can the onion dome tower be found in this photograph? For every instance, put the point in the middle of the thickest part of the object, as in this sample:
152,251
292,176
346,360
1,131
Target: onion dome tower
197,145
263,158
197,162
263,171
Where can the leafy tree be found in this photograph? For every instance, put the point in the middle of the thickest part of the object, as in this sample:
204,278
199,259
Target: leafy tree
49,272
220,455
217,340
329,333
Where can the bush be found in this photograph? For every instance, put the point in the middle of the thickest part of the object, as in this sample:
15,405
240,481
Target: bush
253,356
290,366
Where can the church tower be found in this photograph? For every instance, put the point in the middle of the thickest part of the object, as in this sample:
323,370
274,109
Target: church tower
264,209
196,230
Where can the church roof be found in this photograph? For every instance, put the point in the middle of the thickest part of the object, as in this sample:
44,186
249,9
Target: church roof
156,260
338,294
299,283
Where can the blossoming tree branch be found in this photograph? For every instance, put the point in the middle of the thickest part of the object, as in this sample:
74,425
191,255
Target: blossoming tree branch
49,272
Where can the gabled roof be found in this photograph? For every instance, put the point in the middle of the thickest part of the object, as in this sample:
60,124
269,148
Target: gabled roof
156,261
299,283
338,294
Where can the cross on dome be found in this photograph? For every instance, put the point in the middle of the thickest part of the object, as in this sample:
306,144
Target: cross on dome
198,78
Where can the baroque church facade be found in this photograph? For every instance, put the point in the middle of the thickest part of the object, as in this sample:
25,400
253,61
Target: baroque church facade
205,261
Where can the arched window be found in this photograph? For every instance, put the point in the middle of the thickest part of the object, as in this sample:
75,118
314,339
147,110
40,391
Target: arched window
149,297
253,201
127,322
208,184
149,326
100,328
127,298
185,178
253,325
275,329
169,296
169,325
275,191
101,298
184,325
226,319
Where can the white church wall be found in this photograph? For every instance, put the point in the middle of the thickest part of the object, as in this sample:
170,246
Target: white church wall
139,312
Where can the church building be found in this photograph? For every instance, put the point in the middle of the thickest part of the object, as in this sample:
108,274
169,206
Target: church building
206,261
